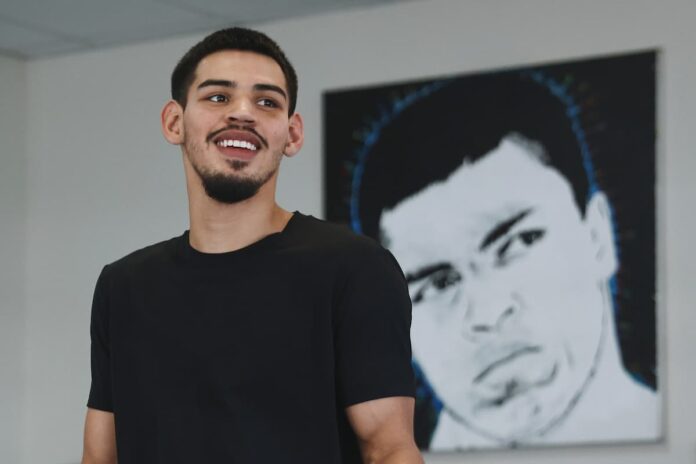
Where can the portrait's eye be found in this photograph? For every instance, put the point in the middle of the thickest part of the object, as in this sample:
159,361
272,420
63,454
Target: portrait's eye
437,284
518,244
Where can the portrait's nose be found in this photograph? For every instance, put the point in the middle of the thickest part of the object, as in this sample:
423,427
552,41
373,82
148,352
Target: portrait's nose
487,309
240,111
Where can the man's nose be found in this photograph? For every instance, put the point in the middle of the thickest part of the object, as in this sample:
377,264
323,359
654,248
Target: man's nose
487,310
241,110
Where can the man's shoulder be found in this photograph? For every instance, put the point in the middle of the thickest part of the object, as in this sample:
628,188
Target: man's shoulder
332,246
146,258
335,239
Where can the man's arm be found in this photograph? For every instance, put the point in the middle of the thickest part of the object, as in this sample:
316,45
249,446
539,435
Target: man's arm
100,438
384,428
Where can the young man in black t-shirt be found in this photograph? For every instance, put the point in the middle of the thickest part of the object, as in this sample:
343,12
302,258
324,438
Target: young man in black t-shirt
259,335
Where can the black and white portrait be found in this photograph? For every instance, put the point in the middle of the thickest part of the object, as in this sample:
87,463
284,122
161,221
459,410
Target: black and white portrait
520,206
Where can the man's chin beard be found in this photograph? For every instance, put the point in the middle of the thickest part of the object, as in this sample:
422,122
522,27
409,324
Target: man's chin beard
231,189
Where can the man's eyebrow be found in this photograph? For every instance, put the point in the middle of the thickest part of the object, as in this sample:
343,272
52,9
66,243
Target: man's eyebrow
502,228
217,83
271,88
425,271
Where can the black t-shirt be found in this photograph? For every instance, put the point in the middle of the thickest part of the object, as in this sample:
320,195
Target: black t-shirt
249,356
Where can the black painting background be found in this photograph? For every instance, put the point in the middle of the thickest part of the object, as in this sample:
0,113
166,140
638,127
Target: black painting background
617,97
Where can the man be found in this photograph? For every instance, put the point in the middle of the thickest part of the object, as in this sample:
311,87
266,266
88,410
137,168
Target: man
259,335
484,191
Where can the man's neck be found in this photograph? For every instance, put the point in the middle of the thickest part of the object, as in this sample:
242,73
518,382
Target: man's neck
218,227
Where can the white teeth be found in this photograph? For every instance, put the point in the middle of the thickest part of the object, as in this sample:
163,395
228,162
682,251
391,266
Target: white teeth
237,144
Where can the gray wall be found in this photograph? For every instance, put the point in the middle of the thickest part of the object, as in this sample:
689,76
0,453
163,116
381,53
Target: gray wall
13,208
101,181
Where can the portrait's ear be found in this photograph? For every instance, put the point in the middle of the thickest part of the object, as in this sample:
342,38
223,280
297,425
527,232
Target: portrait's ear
172,122
599,222
295,135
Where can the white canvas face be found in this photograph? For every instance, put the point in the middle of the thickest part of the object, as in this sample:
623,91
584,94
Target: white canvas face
509,283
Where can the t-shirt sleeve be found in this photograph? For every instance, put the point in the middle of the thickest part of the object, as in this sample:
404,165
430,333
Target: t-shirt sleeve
372,334
100,396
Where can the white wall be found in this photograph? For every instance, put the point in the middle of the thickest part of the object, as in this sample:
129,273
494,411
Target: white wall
102,182
12,254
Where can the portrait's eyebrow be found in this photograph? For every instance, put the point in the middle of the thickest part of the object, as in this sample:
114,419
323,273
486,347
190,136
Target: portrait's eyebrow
502,228
425,271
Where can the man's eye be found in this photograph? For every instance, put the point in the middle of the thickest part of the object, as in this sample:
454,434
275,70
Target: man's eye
517,244
270,103
217,98
437,283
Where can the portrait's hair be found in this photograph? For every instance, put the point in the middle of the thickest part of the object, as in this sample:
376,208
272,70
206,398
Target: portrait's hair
460,122
235,38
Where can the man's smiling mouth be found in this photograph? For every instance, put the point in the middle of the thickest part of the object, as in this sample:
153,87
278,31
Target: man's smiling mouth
238,137
236,143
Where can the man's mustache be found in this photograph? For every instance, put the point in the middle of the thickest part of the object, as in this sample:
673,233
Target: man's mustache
251,130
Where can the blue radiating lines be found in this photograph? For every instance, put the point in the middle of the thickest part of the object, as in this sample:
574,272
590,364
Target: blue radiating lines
573,112
560,91
386,116
424,389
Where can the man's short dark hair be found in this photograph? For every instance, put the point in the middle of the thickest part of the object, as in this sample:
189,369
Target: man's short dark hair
234,38
462,121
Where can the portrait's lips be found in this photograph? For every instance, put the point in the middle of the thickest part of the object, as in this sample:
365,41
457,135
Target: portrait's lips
237,143
513,388
502,357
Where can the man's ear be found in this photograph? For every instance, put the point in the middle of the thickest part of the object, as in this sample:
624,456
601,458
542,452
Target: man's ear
599,222
296,135
172,122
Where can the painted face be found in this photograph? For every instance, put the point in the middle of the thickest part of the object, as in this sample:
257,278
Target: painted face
508,293
236,125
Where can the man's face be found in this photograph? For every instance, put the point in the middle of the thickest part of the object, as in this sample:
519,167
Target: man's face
236,125
509,295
